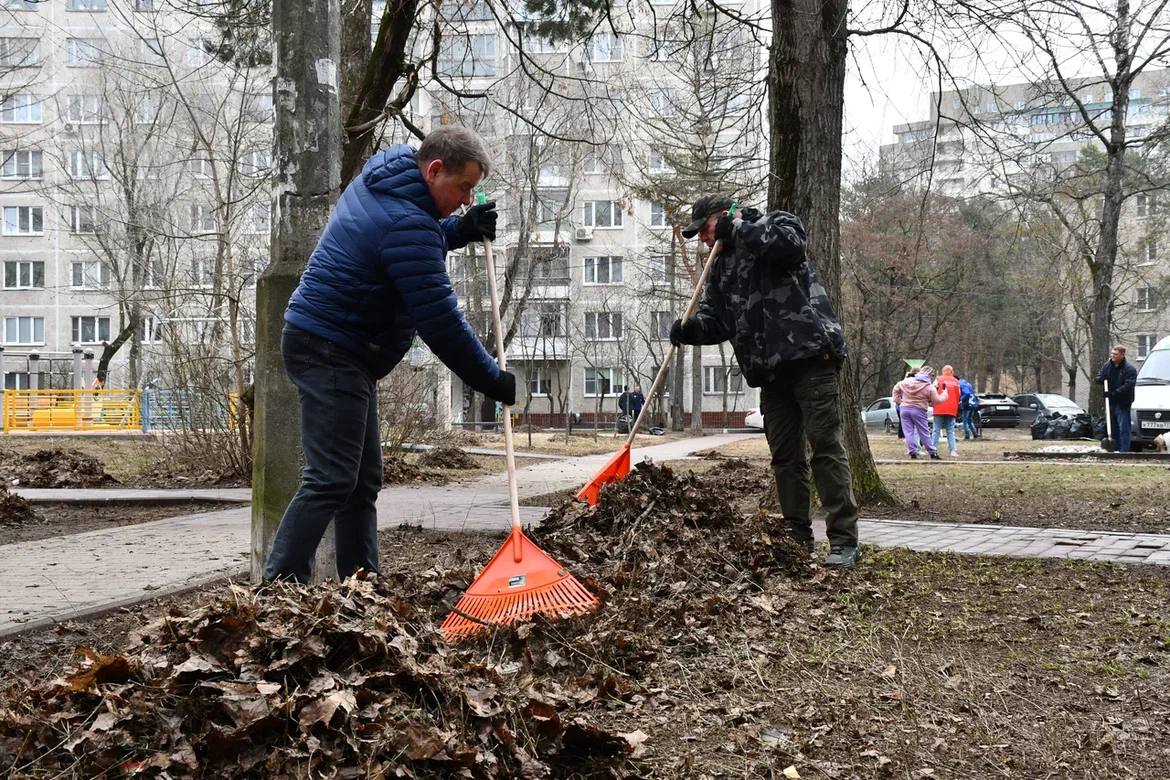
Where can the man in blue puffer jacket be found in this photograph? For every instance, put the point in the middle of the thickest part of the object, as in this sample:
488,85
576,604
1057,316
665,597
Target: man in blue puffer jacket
377,277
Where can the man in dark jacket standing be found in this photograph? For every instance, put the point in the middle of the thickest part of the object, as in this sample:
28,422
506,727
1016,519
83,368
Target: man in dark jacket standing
765,298
1122,378
377,277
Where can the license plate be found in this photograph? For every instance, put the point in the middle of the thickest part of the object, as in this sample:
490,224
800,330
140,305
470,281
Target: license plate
1003,408
1162,426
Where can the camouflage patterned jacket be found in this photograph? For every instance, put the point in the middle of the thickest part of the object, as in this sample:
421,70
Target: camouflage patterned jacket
766,299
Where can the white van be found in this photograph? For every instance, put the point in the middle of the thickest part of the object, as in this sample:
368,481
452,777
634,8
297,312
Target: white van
1151,401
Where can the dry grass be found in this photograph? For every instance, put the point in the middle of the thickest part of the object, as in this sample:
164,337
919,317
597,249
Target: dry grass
124,457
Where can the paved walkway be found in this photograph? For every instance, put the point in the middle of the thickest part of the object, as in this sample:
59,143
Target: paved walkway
50,580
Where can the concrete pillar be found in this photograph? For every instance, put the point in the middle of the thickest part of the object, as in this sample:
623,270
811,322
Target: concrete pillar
34,371
77,379
87,370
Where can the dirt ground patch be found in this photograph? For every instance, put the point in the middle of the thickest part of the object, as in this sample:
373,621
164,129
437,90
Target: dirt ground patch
913,665
124,458
443,457
55,467
580,443
61,519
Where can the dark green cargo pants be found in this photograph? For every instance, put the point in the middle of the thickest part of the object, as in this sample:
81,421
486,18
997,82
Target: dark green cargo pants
804,404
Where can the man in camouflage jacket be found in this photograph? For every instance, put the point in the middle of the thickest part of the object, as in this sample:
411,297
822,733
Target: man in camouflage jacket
765,298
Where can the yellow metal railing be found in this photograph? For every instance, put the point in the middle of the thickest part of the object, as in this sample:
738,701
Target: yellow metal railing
72,410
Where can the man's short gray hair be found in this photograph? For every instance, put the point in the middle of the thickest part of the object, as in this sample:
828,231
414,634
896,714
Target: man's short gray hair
455,146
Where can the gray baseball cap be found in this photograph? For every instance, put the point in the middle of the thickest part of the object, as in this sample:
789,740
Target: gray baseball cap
704,207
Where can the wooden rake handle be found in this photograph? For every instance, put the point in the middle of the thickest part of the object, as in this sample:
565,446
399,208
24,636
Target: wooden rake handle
501,358
692,307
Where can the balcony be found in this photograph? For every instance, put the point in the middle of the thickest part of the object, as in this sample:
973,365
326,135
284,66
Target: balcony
538,348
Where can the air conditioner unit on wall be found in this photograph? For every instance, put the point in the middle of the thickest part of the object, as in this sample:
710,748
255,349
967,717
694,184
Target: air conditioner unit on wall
584,233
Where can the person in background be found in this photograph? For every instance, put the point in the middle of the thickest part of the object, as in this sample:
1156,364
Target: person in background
637,401
914,396
1122,378
947,410
624,400
968,408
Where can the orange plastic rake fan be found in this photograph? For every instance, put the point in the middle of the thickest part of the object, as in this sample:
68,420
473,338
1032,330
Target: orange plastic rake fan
521,580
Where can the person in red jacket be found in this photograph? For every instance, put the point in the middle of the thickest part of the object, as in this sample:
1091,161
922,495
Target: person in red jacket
947,410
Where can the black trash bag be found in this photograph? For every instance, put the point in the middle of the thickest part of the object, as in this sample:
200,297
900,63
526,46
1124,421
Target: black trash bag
1060,428
1082,427
1099,429
623,423
1039,426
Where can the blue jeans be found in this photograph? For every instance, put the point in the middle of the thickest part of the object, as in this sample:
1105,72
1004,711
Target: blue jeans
969,423
1121,430
944,422
343,461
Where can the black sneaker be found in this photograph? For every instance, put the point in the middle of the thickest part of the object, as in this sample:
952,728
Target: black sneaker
913,456
843,556
934,456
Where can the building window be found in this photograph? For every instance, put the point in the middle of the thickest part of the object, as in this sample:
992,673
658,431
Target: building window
20,5
21,109
658,163
19,52
83,52
543,319
261,222
1146,205
23,164
82,219
84,109
1147,299
24,330
662,102
657,215
86,164
600,159
259,106
603,213
203,272
203,218
658,265
467,55
85,5
255,162
24,221
605,47
145,5
1149,255
200,167
603,270
146,108
539,382
603,325
90,330
602,381
660,325
90,275
23,274
716,379
153,330
1145,343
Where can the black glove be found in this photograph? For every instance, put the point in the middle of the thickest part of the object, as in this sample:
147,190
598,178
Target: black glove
681,334
725,231
505,389
479,222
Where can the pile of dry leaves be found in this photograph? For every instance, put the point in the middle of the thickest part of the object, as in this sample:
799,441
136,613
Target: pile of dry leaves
289,681
14,510
54,468
445,457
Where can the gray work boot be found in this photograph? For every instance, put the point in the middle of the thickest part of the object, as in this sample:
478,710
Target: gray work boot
842,556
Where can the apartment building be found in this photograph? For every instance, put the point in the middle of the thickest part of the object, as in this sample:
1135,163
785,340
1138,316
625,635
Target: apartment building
133,190
1014,141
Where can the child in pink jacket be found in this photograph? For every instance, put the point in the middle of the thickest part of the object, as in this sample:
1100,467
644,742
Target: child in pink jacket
913,396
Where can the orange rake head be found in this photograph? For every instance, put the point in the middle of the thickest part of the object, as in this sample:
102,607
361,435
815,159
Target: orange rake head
617,467
520,581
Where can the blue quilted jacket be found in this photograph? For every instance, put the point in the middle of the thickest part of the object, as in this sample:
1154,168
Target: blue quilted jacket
378,275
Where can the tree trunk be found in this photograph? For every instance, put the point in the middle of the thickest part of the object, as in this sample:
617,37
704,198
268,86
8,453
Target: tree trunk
307,159
696,389
806,80
677,380
111,349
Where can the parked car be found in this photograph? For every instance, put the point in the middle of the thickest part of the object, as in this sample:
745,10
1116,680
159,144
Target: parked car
1034,404
882,415
754,419
997,410
1151,403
